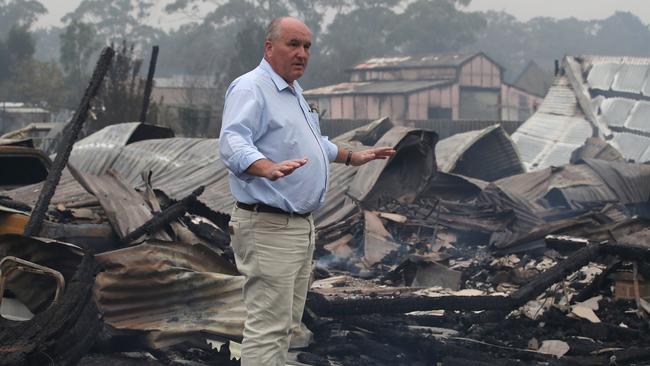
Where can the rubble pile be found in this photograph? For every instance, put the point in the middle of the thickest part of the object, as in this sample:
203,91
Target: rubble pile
416,264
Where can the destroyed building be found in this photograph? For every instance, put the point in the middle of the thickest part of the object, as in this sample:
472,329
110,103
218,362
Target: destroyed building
591,97
450,252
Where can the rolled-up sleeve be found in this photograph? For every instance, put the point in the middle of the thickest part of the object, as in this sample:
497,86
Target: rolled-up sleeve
331,149
241,125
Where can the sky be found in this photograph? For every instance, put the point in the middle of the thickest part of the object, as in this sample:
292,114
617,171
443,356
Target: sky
522,9
581,9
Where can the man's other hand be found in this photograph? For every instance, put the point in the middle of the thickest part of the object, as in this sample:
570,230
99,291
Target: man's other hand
272,171
364,156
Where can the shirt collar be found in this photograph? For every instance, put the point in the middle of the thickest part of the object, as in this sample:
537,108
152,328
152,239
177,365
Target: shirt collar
279,82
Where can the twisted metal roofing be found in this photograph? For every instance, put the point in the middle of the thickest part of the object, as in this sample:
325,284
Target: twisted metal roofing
598,96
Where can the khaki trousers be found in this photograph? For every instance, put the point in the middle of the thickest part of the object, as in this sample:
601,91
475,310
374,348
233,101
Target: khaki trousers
274,253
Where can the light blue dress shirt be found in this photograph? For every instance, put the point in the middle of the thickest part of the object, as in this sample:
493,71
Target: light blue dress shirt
265,118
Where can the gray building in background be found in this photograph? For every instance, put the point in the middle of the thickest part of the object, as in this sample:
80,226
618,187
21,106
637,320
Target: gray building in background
14,116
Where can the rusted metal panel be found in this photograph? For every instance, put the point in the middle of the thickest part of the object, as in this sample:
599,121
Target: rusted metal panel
173,291
68,192
125,208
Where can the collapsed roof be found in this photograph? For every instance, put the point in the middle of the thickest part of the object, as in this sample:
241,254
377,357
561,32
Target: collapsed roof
593,96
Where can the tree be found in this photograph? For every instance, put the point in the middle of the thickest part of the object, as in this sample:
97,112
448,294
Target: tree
121,93
21,13
24,79
428,26
20,44
350,38
78,44
513,43
117,19
35,83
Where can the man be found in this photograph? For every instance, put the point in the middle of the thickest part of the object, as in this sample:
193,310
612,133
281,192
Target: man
278,171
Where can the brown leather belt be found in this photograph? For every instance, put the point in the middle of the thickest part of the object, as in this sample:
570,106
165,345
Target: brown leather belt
260,207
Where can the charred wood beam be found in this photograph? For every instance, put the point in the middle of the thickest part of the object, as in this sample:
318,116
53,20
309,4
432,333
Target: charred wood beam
209,233
427,346
613,263
336,305
632,354
70,134
629,251
369,304
16,205
146,98
170,214
554,274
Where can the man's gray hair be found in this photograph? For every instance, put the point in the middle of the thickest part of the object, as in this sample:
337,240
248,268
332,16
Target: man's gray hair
273,29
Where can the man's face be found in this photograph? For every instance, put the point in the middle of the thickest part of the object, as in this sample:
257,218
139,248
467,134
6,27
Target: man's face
288,55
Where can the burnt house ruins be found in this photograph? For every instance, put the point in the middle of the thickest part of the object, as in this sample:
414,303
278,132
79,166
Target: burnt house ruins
474,249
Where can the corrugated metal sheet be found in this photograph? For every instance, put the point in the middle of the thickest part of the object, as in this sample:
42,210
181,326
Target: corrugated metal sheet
594,181
639,118
180,165
612,83
560,99
376,87
629,182
614,111
433,60
633,147
68,191
548,140
602,75
408,171
630,78
488,154
175,291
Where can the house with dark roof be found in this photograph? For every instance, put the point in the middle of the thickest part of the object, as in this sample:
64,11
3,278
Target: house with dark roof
452,86
534,79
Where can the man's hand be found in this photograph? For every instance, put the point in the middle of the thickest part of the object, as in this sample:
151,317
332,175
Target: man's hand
364,156
272,171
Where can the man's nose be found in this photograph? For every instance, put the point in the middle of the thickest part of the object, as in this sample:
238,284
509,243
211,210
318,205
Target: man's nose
303,52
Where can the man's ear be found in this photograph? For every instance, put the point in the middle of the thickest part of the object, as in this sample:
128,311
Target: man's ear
268,47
